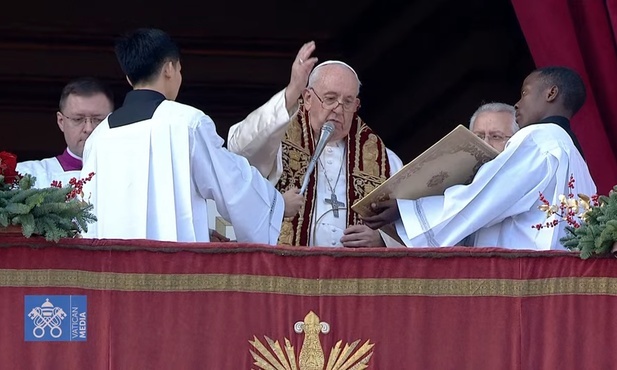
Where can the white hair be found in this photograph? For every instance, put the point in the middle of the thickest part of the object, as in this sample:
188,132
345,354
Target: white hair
314,76
495,108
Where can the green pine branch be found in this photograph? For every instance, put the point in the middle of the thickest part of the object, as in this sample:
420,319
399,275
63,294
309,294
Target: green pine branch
599,231
44,211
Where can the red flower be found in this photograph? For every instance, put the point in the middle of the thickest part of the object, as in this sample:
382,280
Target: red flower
8,163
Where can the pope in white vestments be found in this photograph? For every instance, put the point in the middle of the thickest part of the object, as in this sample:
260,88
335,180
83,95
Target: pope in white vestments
156,161
279,143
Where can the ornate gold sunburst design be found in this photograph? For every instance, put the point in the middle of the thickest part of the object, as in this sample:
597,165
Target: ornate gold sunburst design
311,357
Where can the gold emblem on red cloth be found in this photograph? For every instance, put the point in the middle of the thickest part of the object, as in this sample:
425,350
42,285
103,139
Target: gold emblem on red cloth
271,356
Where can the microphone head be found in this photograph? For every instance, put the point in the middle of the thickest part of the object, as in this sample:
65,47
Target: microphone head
328,127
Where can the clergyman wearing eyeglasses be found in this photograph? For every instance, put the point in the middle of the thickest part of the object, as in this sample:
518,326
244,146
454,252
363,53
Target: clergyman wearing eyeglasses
279,139
84,103
494,123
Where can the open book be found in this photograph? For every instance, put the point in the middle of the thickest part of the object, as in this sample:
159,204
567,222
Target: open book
453,160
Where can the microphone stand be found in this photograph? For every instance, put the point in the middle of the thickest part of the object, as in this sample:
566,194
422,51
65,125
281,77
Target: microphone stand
326,131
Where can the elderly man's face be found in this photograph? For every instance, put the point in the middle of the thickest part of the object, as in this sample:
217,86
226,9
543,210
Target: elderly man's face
333,97
495,128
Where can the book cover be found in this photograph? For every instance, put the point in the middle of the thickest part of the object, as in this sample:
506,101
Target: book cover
453,160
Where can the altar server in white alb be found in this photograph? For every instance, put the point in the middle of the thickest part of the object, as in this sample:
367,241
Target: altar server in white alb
501,203
156,161
84,103
279,138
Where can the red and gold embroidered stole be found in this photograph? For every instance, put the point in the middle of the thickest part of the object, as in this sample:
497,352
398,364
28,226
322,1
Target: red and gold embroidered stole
367,167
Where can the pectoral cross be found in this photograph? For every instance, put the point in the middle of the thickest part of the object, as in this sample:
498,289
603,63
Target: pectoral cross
336,205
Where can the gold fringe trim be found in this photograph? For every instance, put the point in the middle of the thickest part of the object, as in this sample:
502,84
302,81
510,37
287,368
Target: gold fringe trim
308,287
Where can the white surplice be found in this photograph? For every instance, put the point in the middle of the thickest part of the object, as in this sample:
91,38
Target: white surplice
152,178
46,170
258,138
501,204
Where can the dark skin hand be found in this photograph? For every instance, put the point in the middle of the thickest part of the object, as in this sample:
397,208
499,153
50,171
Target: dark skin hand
386,212
218,237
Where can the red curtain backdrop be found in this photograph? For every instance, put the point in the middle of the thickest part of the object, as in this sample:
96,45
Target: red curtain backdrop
155,305
581,34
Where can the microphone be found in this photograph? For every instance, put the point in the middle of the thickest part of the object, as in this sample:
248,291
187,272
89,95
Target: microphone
326,131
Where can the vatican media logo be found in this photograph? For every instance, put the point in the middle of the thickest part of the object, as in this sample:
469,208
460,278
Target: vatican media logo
55,318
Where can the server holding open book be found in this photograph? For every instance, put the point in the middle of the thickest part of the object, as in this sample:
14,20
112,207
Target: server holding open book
499,205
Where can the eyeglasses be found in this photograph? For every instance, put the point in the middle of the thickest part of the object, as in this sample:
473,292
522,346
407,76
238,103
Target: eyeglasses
496,138
332,103
79,121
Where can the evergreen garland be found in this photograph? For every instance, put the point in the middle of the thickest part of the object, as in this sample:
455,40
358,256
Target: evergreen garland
599,231
53,212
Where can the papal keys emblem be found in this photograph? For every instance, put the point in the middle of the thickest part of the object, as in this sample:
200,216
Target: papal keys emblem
47,316
311,356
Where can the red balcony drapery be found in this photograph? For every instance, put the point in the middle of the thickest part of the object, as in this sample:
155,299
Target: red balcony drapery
183,306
